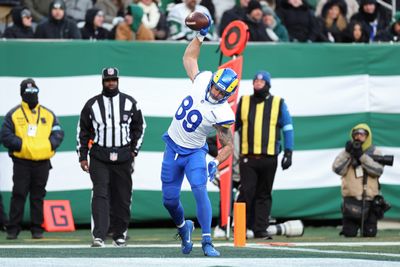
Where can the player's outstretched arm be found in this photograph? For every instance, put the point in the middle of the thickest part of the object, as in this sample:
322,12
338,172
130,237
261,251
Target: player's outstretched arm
226,139
190,57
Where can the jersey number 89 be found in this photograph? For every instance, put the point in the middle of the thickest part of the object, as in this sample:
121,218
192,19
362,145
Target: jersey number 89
191,119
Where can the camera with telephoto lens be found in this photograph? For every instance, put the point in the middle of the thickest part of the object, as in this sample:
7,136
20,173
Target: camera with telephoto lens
384,160
356,146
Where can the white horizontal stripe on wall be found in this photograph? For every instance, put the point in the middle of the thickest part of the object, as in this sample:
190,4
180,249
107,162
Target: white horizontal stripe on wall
310,169
161,97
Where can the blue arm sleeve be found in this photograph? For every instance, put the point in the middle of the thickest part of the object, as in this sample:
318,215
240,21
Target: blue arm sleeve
285,121
57,134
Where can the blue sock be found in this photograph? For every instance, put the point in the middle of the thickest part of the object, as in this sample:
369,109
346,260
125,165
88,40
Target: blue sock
204,212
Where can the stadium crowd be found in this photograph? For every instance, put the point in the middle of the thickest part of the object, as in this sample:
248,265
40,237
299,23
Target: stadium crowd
334,21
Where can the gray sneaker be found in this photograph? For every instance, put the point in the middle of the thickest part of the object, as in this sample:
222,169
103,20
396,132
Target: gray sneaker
98,243
120,242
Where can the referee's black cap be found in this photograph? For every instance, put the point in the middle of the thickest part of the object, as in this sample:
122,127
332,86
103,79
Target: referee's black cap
110,73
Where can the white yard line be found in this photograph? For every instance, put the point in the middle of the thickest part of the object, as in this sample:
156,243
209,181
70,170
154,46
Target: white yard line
258,246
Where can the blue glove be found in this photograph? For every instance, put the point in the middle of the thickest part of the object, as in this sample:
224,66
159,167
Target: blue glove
204,31
212,169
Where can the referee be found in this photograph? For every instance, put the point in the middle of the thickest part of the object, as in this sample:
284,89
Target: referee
111,129
260,119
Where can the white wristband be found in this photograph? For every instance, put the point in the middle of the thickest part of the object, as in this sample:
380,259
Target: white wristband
216,161
200,37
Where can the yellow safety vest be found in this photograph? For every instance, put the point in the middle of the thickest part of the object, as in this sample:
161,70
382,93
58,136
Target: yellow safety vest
34,128
259,133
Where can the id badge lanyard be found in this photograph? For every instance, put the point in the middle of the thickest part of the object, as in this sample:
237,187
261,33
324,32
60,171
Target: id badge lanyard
32,128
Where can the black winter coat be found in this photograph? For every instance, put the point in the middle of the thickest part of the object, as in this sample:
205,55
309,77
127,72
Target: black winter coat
257,31
300,22
61,29
18,30
236,13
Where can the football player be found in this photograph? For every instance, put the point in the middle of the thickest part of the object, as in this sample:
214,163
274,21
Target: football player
202,111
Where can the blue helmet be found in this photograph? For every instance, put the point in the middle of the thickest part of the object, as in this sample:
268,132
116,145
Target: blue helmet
225,80
263,75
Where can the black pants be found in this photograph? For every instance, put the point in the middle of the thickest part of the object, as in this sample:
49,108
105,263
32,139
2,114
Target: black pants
351,225
112,185
28,177
3,217
256,181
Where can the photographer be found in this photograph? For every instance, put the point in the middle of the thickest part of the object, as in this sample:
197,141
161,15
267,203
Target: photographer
360,185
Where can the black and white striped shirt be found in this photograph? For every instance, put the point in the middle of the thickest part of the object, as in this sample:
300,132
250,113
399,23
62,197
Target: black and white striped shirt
110,122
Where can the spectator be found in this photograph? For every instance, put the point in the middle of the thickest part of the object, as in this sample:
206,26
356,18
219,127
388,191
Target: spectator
39,9
151,13
210,6
254,22
161,31
357,168
352,7
58,26
356,33
22,24
176,21
299,20
93,28
113,9
269,3
334,20
31,133
132,27
373,17
76,9
392,34
154,19
114,115
238,12
259,148
276,31
204,110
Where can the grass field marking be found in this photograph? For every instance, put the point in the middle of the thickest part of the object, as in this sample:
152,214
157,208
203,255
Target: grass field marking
261,246
107,245
217,244
199,262
328,244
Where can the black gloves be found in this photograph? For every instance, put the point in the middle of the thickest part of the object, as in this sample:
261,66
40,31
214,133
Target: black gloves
354,148
287,159
349,147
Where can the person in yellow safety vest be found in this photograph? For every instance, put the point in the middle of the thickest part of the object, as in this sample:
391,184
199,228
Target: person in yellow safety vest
32,134
261,119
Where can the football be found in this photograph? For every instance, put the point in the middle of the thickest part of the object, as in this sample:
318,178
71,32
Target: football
196,21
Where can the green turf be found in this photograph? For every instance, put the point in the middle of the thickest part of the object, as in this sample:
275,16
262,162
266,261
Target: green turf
166,236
